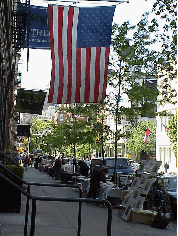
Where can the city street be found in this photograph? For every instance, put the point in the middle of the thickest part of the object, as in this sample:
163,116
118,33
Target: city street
60,218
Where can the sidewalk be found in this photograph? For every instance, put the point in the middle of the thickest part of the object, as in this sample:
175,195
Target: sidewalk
60,218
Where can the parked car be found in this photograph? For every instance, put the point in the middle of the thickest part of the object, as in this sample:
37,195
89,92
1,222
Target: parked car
134,165
123,166
88,162
169,184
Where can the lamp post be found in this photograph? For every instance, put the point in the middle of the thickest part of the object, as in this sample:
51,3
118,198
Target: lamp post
116,121
102,146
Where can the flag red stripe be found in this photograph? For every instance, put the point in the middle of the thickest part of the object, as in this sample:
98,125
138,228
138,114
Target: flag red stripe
97,74
61,66
105,73
51,91
69,52
87,78
78,76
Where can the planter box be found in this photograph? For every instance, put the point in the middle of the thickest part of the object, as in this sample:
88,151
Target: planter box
10,195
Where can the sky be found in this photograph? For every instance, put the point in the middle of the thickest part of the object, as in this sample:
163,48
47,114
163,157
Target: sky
38,75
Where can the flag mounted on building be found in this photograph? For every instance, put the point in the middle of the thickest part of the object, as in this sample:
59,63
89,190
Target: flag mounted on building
147,135
80,40
38,26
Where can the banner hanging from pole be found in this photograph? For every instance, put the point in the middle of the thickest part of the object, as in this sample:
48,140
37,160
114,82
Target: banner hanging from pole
38,27
30,101
23,130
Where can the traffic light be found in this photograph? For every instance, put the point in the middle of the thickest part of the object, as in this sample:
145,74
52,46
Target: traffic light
24,141
97,139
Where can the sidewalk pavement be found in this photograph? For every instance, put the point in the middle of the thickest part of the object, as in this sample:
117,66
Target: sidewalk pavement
60,218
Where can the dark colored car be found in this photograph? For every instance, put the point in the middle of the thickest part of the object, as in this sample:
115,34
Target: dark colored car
123,166
169,183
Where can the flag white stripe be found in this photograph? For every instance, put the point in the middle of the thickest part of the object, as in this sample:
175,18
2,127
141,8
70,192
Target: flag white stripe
92,73
74,52
102,69
64,46
83,69
55,32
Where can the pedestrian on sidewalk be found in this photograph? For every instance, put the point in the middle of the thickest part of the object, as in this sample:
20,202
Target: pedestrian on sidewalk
27,162
98,175
83,168
57,167
166,167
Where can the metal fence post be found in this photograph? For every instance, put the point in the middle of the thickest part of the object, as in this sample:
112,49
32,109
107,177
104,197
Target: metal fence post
79,218
27,211
79,214
32,231
109,219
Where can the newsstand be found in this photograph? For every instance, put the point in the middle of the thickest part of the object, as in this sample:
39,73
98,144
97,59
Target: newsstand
144,203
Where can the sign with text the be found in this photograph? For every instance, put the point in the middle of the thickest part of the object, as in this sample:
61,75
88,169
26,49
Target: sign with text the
37,18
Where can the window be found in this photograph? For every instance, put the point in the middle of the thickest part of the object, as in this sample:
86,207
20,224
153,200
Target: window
164,150
160,153
169,155
165,123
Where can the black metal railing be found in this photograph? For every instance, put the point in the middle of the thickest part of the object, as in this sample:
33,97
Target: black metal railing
26,192
5,159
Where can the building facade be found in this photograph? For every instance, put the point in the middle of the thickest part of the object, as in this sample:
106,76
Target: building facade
164,147
12,26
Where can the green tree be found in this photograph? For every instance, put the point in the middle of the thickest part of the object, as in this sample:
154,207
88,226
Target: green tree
39,137
81,126
135,141
149,53
172,132
133,65
166,10
157,29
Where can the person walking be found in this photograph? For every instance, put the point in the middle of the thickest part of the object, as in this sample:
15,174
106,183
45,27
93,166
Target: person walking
83,168
74,165
26,161
98,175
166,167
57,167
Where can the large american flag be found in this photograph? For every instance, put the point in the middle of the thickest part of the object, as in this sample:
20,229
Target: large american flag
80,41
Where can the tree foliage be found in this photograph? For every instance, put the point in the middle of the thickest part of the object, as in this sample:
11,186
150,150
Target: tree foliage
166,10
144,51
172,131
39,137
133,65
80,128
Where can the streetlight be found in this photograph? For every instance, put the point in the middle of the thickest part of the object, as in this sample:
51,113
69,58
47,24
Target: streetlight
116,121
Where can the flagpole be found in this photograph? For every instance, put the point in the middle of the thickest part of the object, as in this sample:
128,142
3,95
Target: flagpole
28,146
